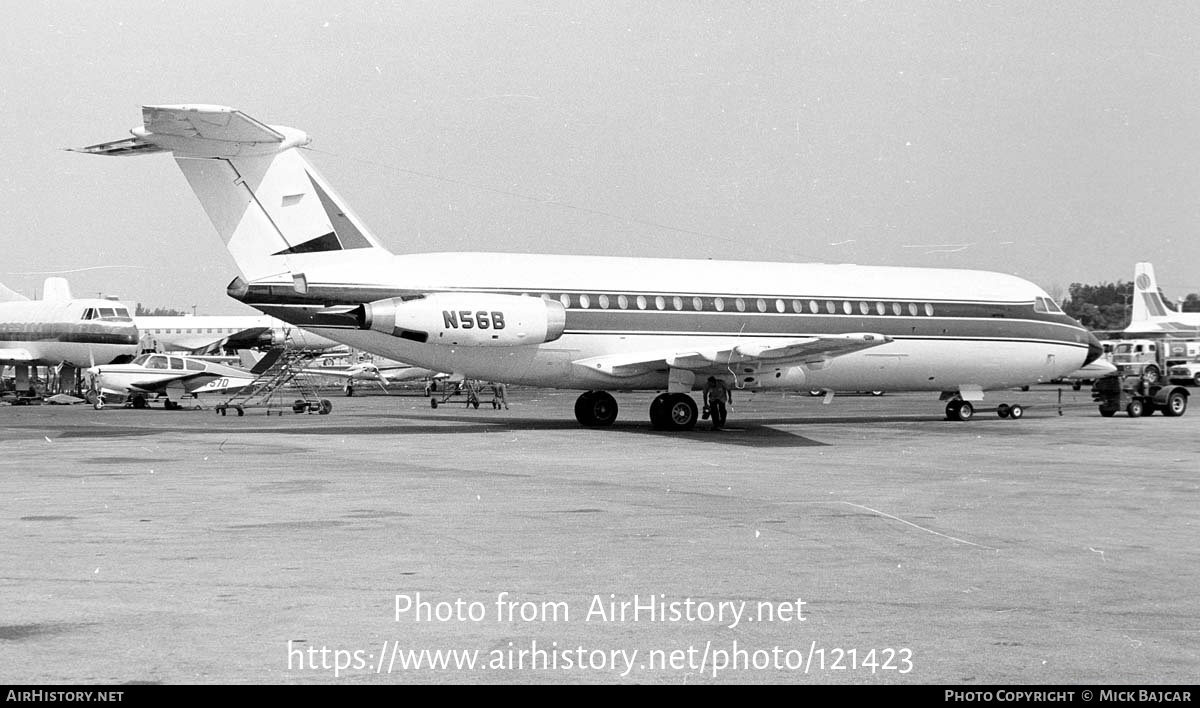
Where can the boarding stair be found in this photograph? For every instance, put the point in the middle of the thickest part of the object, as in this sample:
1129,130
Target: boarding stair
280,384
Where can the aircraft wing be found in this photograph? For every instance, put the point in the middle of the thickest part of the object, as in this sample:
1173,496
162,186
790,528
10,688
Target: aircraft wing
803,350
16,354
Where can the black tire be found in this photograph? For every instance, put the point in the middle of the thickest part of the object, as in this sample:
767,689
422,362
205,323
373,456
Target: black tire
596,409
1107,412
960,410
139,402
1196,380
1003,410
658,411
240,411
1152,375
326,407
1077,385
1176,404
1135,409
681,412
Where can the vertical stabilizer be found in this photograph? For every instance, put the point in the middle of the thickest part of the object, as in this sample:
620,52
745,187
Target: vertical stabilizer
1148,304
266,201
56,290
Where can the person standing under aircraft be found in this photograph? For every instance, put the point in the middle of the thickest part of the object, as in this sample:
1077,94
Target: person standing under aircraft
716,393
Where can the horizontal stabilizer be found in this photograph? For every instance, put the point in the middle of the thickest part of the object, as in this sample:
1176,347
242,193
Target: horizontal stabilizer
201,131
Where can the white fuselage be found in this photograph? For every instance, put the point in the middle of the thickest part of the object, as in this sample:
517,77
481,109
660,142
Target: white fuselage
949,328
77,332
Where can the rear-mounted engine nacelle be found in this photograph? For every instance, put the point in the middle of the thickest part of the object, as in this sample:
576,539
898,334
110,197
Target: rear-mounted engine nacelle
467,319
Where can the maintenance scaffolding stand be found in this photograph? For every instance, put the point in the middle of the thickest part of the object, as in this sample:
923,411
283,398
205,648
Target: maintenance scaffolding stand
281,385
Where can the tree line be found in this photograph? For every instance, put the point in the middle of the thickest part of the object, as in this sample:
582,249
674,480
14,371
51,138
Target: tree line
1109,306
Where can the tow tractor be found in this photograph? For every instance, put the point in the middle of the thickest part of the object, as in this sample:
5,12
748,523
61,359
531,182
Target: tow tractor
1137,396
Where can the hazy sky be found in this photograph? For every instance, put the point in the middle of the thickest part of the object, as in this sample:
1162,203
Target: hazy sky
1059,141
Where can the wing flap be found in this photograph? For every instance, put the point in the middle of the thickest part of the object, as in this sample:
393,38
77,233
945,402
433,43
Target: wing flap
802,350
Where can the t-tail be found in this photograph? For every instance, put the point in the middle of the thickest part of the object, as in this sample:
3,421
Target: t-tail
267,202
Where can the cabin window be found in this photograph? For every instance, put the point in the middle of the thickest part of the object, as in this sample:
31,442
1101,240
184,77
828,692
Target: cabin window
176,362
880,308
780,306
740,304
193,365
89,314
897,309
585,301
797,306
603,302
660,302
622,302
830,307
864,308
107,312
929,309
565,300
641,302
719,304
698,304
912,309
847,307
157,362
677,302
761,304
813,307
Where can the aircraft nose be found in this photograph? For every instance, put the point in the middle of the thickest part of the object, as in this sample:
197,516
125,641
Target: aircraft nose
1095,350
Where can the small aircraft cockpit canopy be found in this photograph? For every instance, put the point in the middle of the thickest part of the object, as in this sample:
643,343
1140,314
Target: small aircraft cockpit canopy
118,314
1045,304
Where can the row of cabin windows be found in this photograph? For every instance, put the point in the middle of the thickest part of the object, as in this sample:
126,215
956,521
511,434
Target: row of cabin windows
197,330
719,304
106,313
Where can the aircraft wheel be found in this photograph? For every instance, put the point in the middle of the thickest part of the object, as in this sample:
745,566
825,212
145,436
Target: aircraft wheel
596,409
241,412
326,407
92,396
1196,380
816,392
1176,405
220,410
877,393
476,404
1108,412
1015,412
1077,385
658,411
1135,408
99,404
299,406
433,403
139,402
681,412
349,390
1003,410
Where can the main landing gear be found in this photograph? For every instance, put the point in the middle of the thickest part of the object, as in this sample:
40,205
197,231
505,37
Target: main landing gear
668,411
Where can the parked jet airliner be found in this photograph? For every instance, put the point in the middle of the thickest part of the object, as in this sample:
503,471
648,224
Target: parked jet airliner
600,323
60,329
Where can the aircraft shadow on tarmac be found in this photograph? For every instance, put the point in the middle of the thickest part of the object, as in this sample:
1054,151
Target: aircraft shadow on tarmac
755,433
